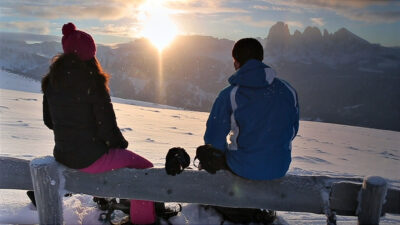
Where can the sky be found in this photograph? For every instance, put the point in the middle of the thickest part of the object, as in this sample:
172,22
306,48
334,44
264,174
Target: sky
116,21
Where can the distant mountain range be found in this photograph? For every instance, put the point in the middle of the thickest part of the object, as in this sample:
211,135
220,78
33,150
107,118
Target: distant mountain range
340,77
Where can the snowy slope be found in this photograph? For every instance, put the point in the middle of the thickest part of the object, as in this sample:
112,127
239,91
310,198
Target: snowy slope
320,148
13,81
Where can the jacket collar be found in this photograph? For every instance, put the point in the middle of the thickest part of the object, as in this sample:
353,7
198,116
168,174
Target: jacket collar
253,73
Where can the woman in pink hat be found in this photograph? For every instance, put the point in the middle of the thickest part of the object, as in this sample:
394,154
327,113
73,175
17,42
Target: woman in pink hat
77,107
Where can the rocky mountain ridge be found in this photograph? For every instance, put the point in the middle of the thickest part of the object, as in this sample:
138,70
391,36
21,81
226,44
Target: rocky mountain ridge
340,77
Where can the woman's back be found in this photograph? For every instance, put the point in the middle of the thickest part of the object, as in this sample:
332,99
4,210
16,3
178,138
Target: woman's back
79,111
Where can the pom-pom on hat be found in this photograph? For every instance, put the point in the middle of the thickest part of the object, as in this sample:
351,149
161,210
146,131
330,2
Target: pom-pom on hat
78,42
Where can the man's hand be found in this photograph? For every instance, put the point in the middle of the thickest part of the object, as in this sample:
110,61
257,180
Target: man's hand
211,159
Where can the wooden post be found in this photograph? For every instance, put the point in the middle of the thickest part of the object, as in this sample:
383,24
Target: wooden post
372,197
46,183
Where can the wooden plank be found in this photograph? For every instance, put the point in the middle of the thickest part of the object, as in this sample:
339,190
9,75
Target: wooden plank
392,203
15,174
292,193
343,198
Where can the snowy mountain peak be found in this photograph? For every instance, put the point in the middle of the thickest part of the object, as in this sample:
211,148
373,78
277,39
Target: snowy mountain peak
296,34
278,33
344,35
279,37
312,34
326,33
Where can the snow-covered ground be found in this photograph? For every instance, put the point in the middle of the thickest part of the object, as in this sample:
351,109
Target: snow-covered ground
319,149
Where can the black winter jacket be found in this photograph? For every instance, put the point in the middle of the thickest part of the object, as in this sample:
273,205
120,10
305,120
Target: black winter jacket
82,117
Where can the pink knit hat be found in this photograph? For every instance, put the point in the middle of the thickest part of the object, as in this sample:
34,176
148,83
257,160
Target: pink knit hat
78,42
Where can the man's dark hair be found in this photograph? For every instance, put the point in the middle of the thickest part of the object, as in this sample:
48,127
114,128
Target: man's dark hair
247,48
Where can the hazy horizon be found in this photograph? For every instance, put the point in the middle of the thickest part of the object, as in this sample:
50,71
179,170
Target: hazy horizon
58,37
119,21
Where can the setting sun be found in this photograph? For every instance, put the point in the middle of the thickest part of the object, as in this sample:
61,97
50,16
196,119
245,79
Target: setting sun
157,25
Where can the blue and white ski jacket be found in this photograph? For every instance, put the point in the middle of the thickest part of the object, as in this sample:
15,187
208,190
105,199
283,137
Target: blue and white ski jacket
254,121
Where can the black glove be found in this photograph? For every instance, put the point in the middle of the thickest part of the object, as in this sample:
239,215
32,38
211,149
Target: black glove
176,161
211,159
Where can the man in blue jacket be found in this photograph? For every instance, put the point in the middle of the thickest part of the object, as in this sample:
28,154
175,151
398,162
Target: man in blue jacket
253,121
250,128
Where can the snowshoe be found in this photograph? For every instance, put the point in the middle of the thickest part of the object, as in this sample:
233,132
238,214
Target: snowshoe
105,217
118,217
166,211
115,207
245,215
102,203
112,204
116,211
114,217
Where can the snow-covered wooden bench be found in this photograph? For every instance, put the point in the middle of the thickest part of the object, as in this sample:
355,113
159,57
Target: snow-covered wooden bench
368,199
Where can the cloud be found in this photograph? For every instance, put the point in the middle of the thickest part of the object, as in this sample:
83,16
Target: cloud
277,8
202,7
360,10
331,4
31,27
111,29
89,9
373,16
318,21
261,7
295,24
248,20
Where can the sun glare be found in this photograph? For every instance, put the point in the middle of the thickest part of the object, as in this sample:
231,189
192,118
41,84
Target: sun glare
157,25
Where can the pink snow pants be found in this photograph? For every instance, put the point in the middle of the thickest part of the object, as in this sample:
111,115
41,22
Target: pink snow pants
142,212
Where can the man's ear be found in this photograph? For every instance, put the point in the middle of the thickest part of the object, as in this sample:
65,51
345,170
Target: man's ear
236,64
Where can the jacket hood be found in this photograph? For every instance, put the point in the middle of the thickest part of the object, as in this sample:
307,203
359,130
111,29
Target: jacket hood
253,73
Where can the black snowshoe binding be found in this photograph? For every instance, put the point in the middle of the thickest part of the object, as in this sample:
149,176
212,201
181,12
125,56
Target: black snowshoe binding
165,212
117,212
112,203
245,215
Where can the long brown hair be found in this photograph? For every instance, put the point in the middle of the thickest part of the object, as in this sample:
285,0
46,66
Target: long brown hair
58,66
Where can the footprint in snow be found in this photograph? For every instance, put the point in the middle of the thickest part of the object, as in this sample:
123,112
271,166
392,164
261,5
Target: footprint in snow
389,155
25,99
16,137
150,110
18,124
353,148
125,129
3,107
149,140
310,159
320,151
